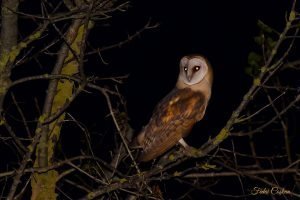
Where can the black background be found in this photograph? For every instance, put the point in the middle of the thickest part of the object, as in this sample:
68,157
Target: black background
223,31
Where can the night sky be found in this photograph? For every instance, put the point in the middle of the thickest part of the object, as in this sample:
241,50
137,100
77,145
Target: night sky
222,31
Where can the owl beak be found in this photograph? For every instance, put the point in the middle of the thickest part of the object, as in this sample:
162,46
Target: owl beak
189,77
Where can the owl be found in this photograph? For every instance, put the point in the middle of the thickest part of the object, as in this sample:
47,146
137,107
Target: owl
176,114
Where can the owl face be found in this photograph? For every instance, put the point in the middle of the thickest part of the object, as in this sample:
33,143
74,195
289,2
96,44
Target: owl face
192,69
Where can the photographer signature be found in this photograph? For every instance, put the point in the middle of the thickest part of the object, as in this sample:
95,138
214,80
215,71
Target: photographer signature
269,191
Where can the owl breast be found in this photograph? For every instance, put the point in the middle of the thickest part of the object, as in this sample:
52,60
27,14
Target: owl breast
172,119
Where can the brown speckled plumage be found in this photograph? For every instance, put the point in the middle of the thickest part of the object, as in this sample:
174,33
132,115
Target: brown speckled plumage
176,114
172,119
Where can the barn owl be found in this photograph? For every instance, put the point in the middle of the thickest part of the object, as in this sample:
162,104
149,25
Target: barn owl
175,115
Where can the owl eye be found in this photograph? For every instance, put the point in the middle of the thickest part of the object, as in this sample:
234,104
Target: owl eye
185,69
196,68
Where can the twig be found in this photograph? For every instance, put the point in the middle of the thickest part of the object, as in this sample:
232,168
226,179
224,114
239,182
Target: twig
148,26
244,172
22,115
258,129
87,174
64,162
118,128
261,109
285,131
14,136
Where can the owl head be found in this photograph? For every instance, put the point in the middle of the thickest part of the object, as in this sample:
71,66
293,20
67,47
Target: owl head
193,69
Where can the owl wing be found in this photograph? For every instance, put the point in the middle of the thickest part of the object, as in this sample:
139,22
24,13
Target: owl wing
172,119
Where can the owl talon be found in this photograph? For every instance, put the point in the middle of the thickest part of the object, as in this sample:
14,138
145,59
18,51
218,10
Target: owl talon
191,152
187,149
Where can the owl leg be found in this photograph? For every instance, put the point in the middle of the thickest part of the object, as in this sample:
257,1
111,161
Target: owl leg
183,143
188,150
